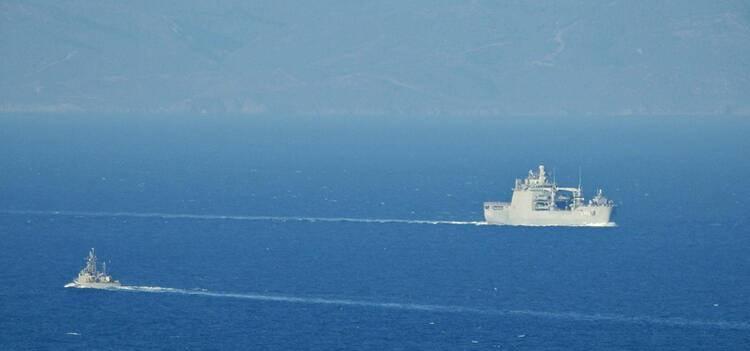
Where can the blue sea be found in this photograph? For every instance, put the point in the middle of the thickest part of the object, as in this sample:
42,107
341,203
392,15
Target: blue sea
284,233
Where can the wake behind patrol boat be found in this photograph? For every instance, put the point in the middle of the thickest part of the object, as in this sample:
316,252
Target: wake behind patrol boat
91,277
537,202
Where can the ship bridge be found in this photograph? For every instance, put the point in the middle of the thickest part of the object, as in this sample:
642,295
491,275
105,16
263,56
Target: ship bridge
544,194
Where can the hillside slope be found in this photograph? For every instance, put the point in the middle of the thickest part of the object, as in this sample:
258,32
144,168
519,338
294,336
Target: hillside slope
377,58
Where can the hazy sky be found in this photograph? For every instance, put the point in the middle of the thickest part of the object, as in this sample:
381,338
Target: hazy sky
378,58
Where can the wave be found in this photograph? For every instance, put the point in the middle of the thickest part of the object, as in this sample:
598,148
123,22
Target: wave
241,218
567,316
282,218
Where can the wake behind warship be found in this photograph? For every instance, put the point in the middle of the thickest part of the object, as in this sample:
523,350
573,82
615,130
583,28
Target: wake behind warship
538,202
91,277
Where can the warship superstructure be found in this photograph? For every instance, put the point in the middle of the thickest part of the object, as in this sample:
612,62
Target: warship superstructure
91,277
538,202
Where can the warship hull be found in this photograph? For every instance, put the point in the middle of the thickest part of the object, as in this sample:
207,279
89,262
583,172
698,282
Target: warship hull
585,216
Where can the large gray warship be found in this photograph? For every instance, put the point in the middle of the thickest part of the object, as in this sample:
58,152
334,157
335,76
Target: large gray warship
91,277
538,202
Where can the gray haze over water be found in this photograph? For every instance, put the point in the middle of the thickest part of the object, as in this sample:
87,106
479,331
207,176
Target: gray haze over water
377,58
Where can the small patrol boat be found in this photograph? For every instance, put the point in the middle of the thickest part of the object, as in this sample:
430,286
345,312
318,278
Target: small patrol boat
91,277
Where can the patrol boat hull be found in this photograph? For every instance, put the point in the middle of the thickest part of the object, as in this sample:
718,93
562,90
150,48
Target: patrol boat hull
92,285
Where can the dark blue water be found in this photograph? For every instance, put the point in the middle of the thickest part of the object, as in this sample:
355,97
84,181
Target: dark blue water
674,274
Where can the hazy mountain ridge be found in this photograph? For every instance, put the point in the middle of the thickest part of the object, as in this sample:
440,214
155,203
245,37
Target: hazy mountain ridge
382,58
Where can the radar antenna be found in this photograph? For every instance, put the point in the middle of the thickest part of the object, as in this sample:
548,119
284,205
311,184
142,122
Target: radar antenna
554,176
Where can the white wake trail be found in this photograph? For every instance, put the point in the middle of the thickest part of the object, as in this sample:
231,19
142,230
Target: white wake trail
567,316
238,217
